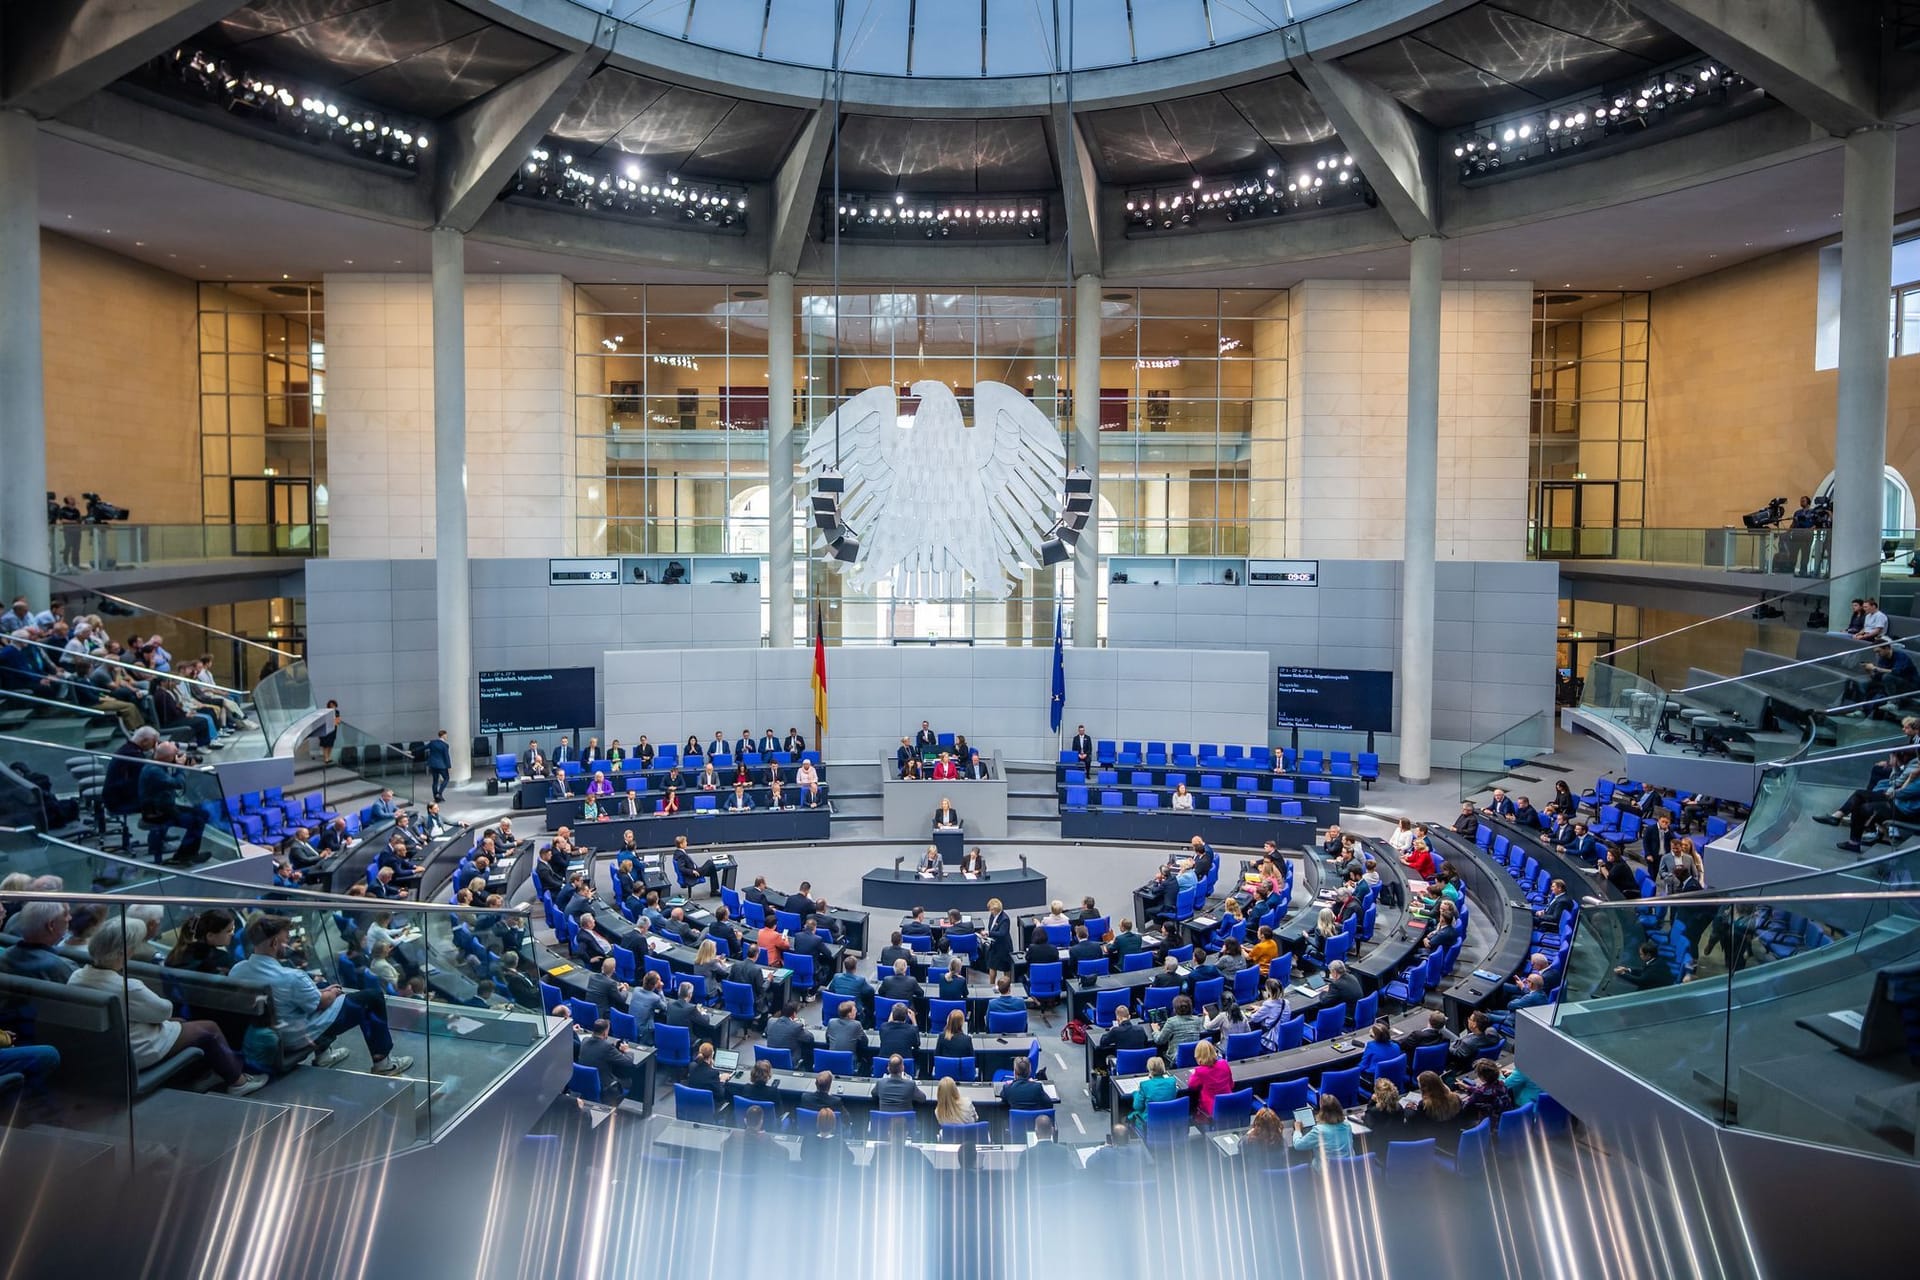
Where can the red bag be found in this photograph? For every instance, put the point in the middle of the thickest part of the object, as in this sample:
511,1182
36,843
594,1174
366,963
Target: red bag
1075,1030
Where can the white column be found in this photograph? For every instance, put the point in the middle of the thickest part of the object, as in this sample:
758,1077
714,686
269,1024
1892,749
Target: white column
454,616
780,460
1086,453
23,409
1860,415
1423,472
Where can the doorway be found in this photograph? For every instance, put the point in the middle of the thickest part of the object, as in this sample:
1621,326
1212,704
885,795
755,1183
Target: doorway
1575,519
272,515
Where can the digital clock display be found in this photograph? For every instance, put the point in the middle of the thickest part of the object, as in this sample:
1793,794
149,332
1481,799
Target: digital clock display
574,573
1283,573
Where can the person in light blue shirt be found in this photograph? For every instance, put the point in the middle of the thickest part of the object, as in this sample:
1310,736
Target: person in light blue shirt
1329,1136
308,1014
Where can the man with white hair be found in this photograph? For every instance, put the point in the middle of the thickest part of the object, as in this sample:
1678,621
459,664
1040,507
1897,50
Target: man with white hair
120,789
40,926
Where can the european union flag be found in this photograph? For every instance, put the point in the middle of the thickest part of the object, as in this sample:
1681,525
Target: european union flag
1059,672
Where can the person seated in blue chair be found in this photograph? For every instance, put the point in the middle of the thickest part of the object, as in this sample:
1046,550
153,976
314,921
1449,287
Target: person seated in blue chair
958,928
1501,806
1182,1026
740,801
848,981
953,983
1004,1001
1023,1092
899,1037
1202,970
1526,817
1159,1086
394,857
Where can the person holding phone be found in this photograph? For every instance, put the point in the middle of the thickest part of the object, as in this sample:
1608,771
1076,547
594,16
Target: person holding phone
1324,1131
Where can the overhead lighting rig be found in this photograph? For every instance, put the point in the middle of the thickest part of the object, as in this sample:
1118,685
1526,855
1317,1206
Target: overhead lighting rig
1330,182
628,190
297,111
899,216
1606,118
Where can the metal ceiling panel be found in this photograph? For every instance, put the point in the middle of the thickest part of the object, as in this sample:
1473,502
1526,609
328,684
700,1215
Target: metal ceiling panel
1283,111
605,104
270,17
1012,155
1608,22
945,156
749,143
1214,136
1133,145
449,76
1436,84
1544,60
672,129
364,40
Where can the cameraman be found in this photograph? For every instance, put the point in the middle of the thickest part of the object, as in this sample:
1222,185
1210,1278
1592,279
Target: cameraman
66,515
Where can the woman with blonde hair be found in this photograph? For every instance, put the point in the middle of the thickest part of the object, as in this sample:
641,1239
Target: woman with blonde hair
949,1107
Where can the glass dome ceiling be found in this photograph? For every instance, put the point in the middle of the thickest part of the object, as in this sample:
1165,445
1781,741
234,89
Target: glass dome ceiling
965,38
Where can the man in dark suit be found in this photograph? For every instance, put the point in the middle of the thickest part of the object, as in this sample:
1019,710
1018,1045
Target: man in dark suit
1525,816
609,1058
1583,844
758,894
916,925
789,1033
1126,1034
1467,823
808,943
1651,971
957,928
1559,902
926,740
589,943
744,744
1124,943
945,815
1501,806
1656,841
794,744
768,743
900,758
1023,1092
800,902
1435,1032
1083,948
899,985
898,1035
562,751
747,973
602,989
975,768
718,747
1082,745
1342,986
896,949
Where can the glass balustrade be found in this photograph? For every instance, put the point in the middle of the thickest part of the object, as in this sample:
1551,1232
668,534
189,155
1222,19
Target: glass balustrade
282,699
165,813
1483,765
1783,1010
1802,553
246,1036
95,548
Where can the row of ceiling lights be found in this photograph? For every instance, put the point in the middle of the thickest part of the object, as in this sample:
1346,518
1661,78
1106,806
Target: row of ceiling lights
1333,180
317,117
1577,122
899,215
629,191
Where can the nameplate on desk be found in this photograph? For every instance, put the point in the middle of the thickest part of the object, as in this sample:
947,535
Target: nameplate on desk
1484,976
559,970
1202,922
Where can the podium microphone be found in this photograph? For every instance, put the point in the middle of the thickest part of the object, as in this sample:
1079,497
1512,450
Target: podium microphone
899,860
1023,862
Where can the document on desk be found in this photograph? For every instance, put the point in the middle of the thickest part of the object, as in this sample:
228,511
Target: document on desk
462,1026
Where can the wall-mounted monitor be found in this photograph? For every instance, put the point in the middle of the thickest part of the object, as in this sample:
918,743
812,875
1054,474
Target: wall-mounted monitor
543,701
1333,698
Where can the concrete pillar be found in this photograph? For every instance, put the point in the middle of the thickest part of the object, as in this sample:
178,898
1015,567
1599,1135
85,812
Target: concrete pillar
23,409
454,615
1860,415
1423,478
780,460
1086,453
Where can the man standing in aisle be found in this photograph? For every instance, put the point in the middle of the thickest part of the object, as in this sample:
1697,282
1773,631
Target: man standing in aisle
440,765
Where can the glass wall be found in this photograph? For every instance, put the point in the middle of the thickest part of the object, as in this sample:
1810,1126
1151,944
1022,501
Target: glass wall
1588,454
263,452
673,407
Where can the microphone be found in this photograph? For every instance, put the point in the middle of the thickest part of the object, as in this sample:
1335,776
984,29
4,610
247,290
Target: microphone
898,861
1023,862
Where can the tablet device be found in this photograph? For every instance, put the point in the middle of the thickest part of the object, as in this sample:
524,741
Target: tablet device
1304,1115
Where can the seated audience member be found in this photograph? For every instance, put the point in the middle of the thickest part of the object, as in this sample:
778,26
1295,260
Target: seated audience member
1040,948
973,863
1124,1034
900,984
1483,1092
903,757
1209,1078
1181,1027
1480,1040
1023,1092
953,1041
681,1010
807,780
1005,1001
608,1057
1434,1111
1159,1086
1329,1135
1649,972
896,1091
1467,824
1501,806
845,1034
898,1034
205,943
1386,1114
702,1074
786,1031
1873,626
1419,858
953,983
307,1014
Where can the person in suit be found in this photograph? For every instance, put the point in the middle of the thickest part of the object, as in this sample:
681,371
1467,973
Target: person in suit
1125,1034
1445,930
643,751
1656,841
794,744
740,801
900,984
896,949
1580,844
1082,746
953,983
1480,1040
589,943
1434,1032
844,1032
1083,948
1559,902
973,862
562,752
926,741
932,865
603,990
1023,1092
800,902
956,927
896,1090
1004,1001
702,1074
1649,972
744,743
768,743
944,769
1125,942
998,957
679,1010
530,758
848,981
975,768
807,942
745,972
945,815
1343,987
916,925
954,1042
902,757
1501,806
898,1035
608,1057
786,1031
1525,816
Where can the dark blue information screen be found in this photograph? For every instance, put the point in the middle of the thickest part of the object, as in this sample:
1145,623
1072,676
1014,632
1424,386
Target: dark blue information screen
536,701
1332,698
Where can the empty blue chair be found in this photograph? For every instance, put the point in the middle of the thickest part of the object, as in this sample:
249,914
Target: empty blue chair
883,1008
1428,1057
1105,1002
1233,1111
964,1070
1316,787
1413,1158
882,1123
1246,782
1365,1009
1394,1069
1156,998
1003,1023
1474,1155
738,999
1344,1085
802,968
1210,782
1219,804
1044,981
624,967
1328,1023
1208,992
704,804
1291,809
1183,1055
1076,776
585,1083
1135,961
1131,1062
838,1061
1243,1044
1147,800
975,1132
1246,984
938,1011
1096,967
673,1046
1369,768
1283,786
1107,777
1256,806
1076,798
1284,1097
1513,1125
1110,799
782,1059
1139,778
1167,1121
695,1105
1337,947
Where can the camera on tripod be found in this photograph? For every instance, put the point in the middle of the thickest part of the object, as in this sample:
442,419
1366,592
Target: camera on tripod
102,512
1821,517
1767,517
